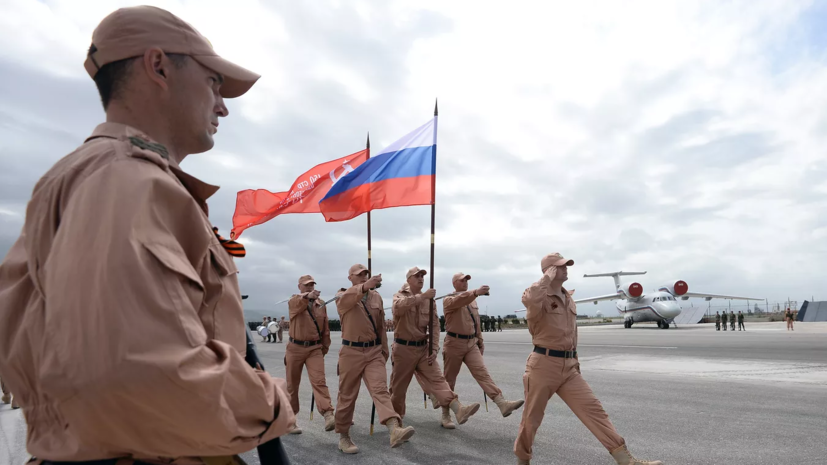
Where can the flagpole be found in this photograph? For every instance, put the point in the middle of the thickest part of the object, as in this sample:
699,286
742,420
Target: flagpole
433,223
370,273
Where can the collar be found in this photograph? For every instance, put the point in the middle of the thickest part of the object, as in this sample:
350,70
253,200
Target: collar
200,190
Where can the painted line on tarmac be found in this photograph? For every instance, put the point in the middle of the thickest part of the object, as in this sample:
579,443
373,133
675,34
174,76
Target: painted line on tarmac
584,345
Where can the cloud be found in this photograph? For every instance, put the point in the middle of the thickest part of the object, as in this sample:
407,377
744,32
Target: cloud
682,139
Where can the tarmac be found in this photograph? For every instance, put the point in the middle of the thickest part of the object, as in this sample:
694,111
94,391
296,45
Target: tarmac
687,395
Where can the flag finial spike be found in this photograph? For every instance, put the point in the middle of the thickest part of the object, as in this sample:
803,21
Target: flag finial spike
436,107
368,142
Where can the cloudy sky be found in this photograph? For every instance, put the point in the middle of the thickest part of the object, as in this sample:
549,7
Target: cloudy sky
685,139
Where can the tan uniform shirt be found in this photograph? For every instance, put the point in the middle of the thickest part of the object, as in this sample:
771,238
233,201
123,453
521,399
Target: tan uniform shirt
410,316
118,263
457,318
551,322
302,327
356,326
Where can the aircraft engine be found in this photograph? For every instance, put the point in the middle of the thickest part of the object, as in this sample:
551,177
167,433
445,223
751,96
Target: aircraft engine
678,288
633,290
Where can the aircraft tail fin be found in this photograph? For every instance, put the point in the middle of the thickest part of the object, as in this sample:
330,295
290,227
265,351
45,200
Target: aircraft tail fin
616,276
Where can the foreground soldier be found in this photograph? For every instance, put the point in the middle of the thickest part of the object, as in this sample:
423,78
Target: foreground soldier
552,368
309,341
464,344
411,309
363,355
150,360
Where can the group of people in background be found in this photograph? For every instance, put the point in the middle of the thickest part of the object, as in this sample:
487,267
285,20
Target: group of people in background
731,318
282,325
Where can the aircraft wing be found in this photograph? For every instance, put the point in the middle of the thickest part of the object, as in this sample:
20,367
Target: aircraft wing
601,298
716,296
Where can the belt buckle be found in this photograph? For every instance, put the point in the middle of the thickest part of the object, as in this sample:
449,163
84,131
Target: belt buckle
306,343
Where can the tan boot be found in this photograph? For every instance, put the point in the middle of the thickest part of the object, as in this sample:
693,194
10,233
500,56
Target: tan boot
6,398
399,435
329,420
507,406
295,429
434,402
14,404
463,413
346,445
447,423
523,462
623,457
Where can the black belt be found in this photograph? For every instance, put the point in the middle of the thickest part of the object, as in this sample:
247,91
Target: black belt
410,343
345,342
91,462
460,336
304,343
556,353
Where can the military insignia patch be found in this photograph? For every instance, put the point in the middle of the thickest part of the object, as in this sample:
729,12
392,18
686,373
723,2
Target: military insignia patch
151,146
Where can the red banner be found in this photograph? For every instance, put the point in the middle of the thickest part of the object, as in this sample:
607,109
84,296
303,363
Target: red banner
257,206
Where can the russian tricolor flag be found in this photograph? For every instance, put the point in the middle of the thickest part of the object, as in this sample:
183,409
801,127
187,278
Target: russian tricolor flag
401,175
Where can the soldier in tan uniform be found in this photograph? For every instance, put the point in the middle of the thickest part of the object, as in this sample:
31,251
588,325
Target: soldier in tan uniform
363,355
464,344
282,324
553,368
309,341
411,309
117,250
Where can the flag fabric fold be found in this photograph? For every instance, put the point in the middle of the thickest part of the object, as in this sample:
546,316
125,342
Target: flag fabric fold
400,175
257,206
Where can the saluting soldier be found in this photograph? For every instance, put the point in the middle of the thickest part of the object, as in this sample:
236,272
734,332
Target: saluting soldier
717,321
411,309
309,342
363,355
149,364
724,319
553,368
464,344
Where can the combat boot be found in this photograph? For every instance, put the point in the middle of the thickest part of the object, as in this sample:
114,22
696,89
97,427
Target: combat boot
6,398
14,404
346,445
463,413
447,423
398,434
507,406
329,420
295,429
434,402
623,457
523,462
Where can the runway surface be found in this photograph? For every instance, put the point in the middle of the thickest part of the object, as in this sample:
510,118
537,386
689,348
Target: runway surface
690,395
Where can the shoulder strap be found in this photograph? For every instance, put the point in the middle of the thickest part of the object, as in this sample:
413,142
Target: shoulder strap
473,320
370,317
310,311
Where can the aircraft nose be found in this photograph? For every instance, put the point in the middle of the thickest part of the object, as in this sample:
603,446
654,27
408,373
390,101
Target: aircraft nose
671,311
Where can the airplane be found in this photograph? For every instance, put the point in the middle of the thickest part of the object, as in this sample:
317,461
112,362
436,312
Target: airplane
660,306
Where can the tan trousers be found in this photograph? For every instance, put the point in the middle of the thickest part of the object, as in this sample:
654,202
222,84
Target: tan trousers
295,359
458,351
408,360
280,333
356,364
544,376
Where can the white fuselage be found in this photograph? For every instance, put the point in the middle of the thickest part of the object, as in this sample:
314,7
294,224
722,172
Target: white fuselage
657,306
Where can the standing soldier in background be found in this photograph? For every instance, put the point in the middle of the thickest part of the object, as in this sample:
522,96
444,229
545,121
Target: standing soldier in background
732,320
411,309
718,321
790,318
149,363
723,319
464,344
553,368
309,337
741,321
282,324
363,355
499,323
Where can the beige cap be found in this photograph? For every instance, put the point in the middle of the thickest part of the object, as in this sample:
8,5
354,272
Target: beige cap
129,32
554,259
306,279
415,270
460,277
356,269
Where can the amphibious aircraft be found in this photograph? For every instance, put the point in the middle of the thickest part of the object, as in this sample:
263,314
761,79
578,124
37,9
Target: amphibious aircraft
660,306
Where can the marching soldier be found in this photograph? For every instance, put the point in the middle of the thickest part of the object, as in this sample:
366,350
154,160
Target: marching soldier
723,319
150,362
732,320
363,355
309,342
741,321
464,344
718,321
411,308
552,368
